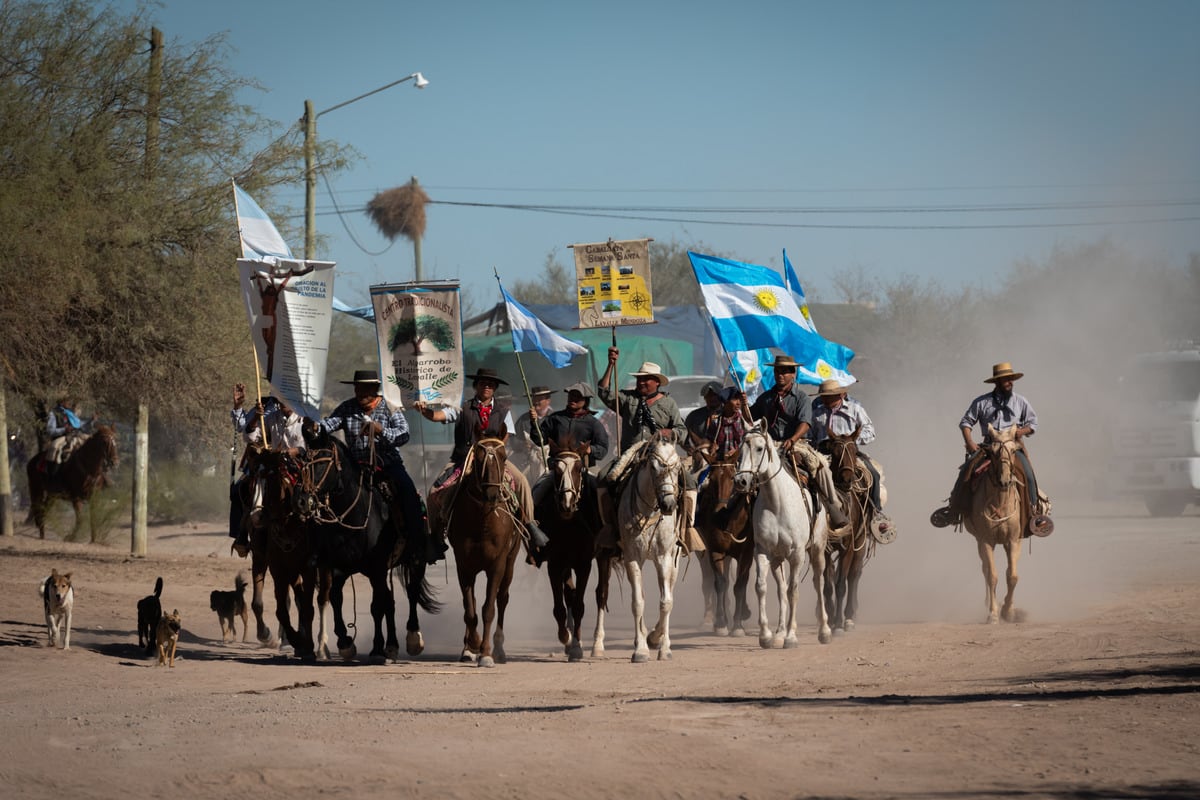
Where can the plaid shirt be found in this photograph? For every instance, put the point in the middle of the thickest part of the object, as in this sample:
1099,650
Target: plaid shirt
349,419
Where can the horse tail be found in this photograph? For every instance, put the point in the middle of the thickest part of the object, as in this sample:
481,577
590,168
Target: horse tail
414,574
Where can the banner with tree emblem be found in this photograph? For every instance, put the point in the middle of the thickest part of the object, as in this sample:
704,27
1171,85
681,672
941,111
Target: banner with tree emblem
419,329
613,280
290,305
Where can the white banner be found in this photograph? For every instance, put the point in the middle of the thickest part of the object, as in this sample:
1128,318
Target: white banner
290,305
419,329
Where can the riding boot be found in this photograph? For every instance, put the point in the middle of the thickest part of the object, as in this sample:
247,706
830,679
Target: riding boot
693,543
839,523
606,537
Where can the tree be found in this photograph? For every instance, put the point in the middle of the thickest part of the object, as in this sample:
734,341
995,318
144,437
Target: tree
421,328
119,254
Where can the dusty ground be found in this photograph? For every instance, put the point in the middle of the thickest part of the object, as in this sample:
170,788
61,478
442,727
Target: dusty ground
1095,695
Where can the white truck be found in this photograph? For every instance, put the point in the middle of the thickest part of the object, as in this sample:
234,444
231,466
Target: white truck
1157,449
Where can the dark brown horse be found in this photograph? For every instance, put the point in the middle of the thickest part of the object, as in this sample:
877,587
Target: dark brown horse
280,542
345,509
723,519
849,554
84,471
568,515
486,538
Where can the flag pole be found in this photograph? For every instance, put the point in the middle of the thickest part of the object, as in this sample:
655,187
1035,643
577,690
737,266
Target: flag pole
617,392
262,420
534,424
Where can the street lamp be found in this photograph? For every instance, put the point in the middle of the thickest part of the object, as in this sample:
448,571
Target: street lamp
310,147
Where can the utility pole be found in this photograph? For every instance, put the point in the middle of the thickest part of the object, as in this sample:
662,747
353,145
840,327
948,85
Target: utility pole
418,272
141,452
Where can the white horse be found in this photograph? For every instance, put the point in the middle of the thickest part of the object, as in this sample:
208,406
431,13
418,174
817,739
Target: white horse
649,514
786,529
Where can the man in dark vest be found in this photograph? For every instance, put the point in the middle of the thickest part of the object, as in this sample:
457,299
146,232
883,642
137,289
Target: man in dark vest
483,416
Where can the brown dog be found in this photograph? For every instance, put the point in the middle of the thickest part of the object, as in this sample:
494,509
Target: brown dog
229,606
58,600
168,637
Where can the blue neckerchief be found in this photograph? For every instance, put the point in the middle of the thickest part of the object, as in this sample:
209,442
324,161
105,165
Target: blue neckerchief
71,418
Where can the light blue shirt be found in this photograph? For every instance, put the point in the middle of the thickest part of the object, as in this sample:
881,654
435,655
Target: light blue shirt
842,420
1000,411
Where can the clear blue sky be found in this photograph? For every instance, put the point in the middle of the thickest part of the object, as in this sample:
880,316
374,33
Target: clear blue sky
663,109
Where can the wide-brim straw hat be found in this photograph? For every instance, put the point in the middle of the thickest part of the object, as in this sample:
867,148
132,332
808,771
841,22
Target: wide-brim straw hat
829,387
1003,372
651,370
489,374
784,361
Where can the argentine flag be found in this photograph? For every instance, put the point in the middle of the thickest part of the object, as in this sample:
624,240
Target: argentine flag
793,285
530,333
752,309
260,239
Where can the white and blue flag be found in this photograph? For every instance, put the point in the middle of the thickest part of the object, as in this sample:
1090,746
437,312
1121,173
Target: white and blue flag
260,239
752,310
530,333
793,285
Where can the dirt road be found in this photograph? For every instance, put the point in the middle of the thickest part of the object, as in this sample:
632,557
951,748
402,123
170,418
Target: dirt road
1095,695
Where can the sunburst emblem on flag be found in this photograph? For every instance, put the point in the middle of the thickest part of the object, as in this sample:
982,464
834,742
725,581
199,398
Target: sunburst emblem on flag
804,312
753,376
766,300
824,370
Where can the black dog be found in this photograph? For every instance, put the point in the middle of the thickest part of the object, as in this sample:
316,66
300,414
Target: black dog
230,605
149,612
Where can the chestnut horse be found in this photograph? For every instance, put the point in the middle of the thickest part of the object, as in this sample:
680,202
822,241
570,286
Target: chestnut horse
486,538
280,542
345,511
848,555
84,471
567,515
723,519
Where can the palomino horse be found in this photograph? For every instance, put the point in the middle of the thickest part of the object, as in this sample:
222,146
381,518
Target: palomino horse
649,518
723,520
280,542
486,538
563,514
848,555
84,471
999,515
345,511
787,530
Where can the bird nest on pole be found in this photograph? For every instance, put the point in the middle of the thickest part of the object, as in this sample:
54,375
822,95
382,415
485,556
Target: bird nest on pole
399,211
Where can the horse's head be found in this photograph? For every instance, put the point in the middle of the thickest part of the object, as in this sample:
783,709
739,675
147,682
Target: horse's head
1001,447
486,469
756,458
843,456
666,469
273,479
566,468
321,473
105,437
720,480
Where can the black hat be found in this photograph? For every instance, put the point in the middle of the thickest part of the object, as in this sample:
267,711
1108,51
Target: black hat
581,389
489,374
539,391
365,376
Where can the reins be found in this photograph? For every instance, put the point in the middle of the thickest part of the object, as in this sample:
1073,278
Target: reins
323,513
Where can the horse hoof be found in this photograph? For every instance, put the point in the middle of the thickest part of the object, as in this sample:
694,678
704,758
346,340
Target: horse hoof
414,643
640,658
467,657
392,653
486,661
597,652
765,642
377,659
825,636
348,653
849,626
721,631
737,633
790,642
664,655
574,653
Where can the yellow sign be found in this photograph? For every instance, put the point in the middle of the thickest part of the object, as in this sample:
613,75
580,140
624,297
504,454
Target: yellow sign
613,280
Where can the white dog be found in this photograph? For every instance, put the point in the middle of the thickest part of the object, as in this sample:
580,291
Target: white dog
59,599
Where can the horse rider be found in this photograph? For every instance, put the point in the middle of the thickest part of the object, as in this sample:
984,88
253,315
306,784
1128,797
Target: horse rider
529,449
787,410
483,416
834,411
573,426
701,423
1000,408
375,433
65,432
645,412
283,432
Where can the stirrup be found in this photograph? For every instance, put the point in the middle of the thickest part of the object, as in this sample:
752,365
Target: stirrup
942,518
883,530
1041,525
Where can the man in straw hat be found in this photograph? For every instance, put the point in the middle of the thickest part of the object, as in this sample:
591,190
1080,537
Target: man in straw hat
645,412
372,427
528,451
484,415
834,411
787,411
999,408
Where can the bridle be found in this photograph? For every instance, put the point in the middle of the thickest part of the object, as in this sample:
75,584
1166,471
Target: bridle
312,504
664,465
488,467
568,480
752,478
